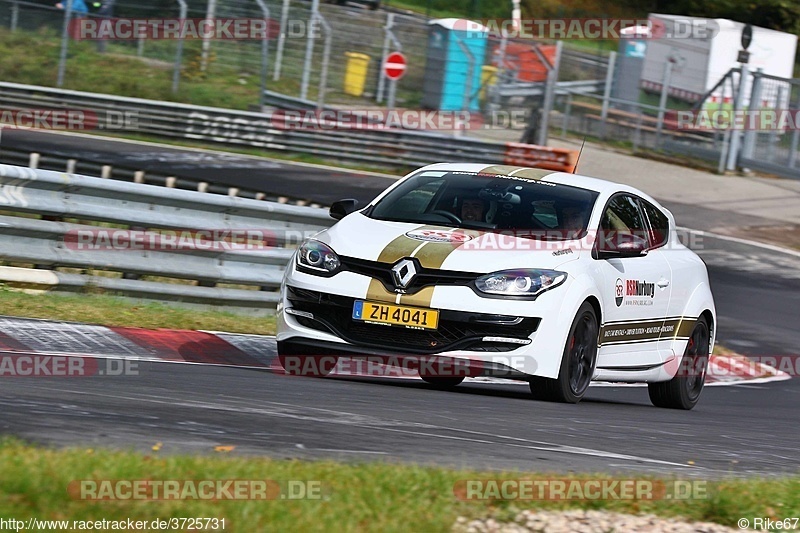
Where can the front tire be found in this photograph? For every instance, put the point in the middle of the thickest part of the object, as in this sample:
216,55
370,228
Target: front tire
577,362
296,361
683,391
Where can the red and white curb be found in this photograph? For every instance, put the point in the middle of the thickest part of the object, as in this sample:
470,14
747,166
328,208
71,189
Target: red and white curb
25,336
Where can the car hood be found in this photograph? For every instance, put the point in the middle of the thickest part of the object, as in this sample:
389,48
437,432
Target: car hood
464,250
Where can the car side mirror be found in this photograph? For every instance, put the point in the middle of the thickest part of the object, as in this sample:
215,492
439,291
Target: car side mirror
632,246
342,208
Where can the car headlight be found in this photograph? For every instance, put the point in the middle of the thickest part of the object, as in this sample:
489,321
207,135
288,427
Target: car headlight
524,282
315,257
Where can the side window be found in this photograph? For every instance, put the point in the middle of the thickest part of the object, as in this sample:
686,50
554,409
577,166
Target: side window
622,222
659,225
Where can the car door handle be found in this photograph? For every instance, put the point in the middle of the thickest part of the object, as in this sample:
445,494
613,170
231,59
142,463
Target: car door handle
663,283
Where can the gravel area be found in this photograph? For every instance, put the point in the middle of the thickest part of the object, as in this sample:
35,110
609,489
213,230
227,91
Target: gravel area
579,521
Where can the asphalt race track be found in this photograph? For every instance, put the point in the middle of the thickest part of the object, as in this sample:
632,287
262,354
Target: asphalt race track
245,172
742,429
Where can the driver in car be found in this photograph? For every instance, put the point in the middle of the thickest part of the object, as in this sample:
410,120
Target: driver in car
571,219
472,210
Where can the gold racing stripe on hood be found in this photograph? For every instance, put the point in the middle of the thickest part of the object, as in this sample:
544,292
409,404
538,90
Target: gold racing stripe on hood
399,248
429,254
522,172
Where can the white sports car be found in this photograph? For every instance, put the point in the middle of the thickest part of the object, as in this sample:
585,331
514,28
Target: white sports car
473,270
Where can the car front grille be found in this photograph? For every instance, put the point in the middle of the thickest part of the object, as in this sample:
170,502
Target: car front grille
457,330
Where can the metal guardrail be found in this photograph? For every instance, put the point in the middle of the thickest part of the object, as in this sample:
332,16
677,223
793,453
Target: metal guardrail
53,220
393,148
506,90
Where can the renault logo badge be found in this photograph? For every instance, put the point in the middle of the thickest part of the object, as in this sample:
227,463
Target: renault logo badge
403,273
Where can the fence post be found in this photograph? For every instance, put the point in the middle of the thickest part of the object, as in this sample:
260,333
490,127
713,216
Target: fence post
211,8
326,54
62,59
738,102
662,103
281,40
612,58
748,144
176,74
549,95
310,31
388,36
467,100
264,53
795,134
14,16
774,138
567,114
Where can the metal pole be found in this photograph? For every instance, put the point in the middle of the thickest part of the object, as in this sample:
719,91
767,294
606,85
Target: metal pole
387,37
738,103
309,49
392,91
755,105
264,52
795,134
176,74
467,100
281,40
206,47
662,102
14,16
549,95
612,58
567,113
326,54
774,137
106,10
62,59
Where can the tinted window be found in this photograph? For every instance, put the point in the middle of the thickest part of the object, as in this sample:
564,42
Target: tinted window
659,224
487,201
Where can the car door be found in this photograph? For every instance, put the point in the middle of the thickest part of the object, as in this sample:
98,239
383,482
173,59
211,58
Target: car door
635,287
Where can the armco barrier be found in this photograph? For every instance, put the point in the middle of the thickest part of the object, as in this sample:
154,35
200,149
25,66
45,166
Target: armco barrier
251,277
394,148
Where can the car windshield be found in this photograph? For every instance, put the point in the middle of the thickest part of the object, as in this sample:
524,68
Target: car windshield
532,208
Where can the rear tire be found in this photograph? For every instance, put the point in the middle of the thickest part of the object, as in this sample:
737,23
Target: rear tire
683,391
577,362
442,383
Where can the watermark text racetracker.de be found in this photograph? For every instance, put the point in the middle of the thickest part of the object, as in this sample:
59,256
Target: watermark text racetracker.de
49,366
121,29
558,242
212,490
68,119
566,489
177,240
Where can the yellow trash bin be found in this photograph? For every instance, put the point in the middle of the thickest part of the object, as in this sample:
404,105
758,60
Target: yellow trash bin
355,74
488,78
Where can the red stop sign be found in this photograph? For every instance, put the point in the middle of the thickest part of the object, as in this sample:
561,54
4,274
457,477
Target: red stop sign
394,67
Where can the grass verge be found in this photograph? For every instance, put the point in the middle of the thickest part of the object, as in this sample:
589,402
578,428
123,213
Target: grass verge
114,311
356,497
